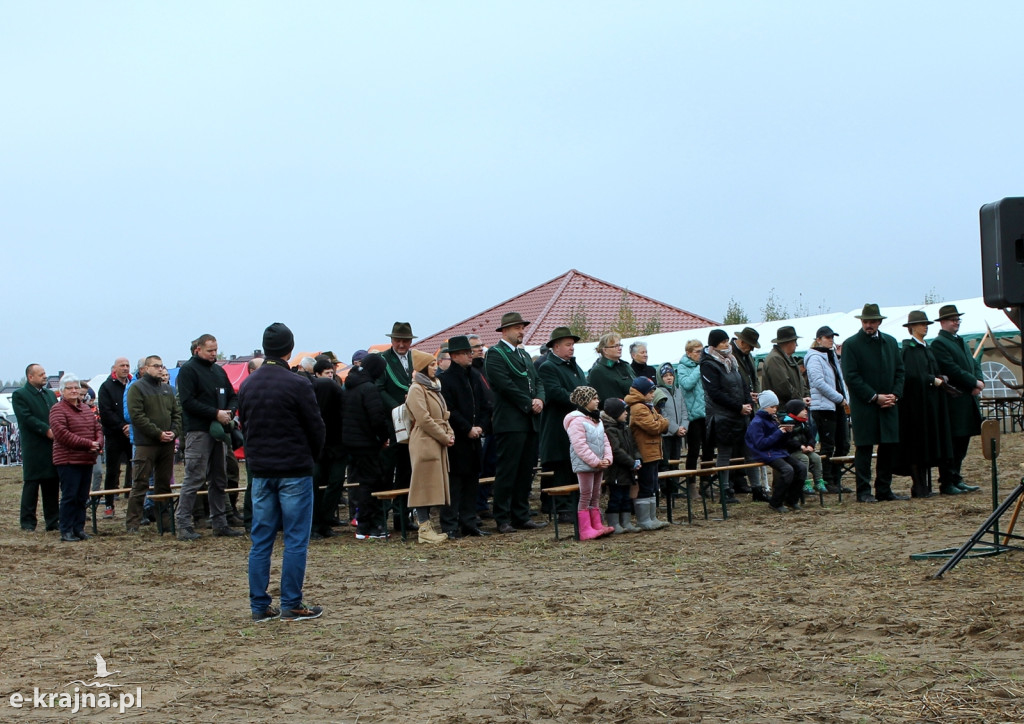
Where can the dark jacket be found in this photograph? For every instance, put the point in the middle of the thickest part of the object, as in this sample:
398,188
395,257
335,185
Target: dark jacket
329,399
284,433
364,420
964,372
560,378
924,420
468,407
725,394
32,410
624,452
748,370
203,389
872,367
154,409
394,383
610,379
643,370
765,439
110,402
515,384
783,377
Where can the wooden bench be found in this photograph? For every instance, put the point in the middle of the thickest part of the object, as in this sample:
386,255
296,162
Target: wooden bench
394,499
560,492
165,502
94,501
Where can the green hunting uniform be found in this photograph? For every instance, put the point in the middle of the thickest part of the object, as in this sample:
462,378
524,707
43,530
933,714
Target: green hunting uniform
32,410
964,372
560,378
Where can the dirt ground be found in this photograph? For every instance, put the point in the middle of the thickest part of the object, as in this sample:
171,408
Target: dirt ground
818,616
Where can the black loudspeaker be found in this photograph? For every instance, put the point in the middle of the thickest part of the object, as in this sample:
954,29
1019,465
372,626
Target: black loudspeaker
1002,252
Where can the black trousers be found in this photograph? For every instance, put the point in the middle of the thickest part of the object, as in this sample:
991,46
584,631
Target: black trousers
461,514
883,469
118,450
789,480
397,471
50,488
834,438
328,474
513,477
368,471
949,470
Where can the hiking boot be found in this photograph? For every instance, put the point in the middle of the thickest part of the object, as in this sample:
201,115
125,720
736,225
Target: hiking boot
226,532
234,520
302,612
820,486
808,487
82,535
428,534
188,533
269,614
108,512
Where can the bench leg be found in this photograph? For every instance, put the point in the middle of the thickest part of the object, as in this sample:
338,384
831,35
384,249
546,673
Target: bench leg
94,503
721,493
399,506
553,514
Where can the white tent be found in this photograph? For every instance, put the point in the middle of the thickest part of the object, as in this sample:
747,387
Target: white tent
670,346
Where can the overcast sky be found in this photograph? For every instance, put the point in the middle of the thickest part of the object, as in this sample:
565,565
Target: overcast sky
170,169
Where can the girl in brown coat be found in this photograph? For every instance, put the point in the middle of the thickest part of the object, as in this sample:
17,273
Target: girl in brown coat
647,425
429,440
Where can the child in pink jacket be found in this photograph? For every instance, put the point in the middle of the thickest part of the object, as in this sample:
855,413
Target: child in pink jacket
591,454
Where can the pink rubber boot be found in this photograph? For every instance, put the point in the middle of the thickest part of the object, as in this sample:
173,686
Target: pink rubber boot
586,531
596,524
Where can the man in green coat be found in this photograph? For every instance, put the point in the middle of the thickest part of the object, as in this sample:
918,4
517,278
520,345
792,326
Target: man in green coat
518,403
32,405
560,375
394,386
964,372
873,371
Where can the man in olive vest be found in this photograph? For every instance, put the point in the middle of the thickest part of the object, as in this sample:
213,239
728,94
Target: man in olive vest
964,372
518,403
560,375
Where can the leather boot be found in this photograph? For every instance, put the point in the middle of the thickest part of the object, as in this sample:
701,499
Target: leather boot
596,524
427,534
586,531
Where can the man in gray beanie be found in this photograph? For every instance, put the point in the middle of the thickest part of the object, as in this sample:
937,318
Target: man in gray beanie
284,435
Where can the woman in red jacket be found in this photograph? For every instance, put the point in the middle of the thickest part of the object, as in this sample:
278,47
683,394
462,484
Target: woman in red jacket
77,440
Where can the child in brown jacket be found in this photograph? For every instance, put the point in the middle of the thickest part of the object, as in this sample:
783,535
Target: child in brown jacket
647,425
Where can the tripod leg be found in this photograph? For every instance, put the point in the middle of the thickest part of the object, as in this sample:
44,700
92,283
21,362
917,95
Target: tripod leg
978,534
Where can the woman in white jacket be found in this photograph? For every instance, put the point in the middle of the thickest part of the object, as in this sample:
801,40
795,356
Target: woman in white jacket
828,404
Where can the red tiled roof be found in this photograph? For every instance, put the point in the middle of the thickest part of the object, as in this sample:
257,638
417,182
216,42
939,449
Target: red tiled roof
552,304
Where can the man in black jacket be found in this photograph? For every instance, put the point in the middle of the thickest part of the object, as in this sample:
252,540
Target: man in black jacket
284,435
206,397
329,473
116,445
365,434
463,392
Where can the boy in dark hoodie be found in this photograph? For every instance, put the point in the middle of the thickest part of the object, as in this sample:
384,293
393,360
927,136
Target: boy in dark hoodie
621,476
801,445
768,442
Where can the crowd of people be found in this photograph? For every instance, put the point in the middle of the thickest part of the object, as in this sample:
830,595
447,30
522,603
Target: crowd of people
438,424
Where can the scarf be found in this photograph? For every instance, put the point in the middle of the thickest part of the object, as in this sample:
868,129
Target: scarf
421,379
594,415
723,357
831,354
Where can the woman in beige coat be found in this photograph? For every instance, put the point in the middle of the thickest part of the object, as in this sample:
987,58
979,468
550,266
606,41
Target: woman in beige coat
429,440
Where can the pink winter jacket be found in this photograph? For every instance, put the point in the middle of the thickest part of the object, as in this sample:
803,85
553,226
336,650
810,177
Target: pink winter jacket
586,437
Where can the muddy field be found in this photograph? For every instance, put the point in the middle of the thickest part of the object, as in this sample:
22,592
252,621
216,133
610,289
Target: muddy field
818,616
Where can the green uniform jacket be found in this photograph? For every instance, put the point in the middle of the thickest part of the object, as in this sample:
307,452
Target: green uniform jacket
515,382
924,420
32,409
610,379
872,367
958,364
394,383
782,376
560,377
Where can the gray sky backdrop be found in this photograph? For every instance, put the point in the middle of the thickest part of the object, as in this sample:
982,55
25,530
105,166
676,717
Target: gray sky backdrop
176,168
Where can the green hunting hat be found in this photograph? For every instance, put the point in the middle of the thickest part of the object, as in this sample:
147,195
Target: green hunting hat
750,336
401,330
510,318
870,312
561,333
947,311
459,344
917,317
785,334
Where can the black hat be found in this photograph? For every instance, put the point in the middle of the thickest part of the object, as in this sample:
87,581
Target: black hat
795,406
510,318
401,330
278,340
785,334
750,336
614,407
825,331
716,337
459,344
643,385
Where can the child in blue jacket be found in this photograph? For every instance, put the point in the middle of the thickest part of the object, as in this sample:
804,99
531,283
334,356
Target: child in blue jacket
768,442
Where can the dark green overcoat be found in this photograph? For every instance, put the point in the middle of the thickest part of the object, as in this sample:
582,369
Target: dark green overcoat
873,366
560,378
924,421
32,409
515,383
610,379
964,372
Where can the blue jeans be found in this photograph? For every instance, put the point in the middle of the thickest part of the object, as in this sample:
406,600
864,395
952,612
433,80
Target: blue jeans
74,494
279,504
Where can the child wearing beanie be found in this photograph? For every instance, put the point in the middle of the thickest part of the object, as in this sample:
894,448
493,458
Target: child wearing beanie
767,442
801,444
621,476
647,425
591,454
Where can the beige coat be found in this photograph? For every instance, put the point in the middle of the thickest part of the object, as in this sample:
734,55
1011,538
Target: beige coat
428,447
